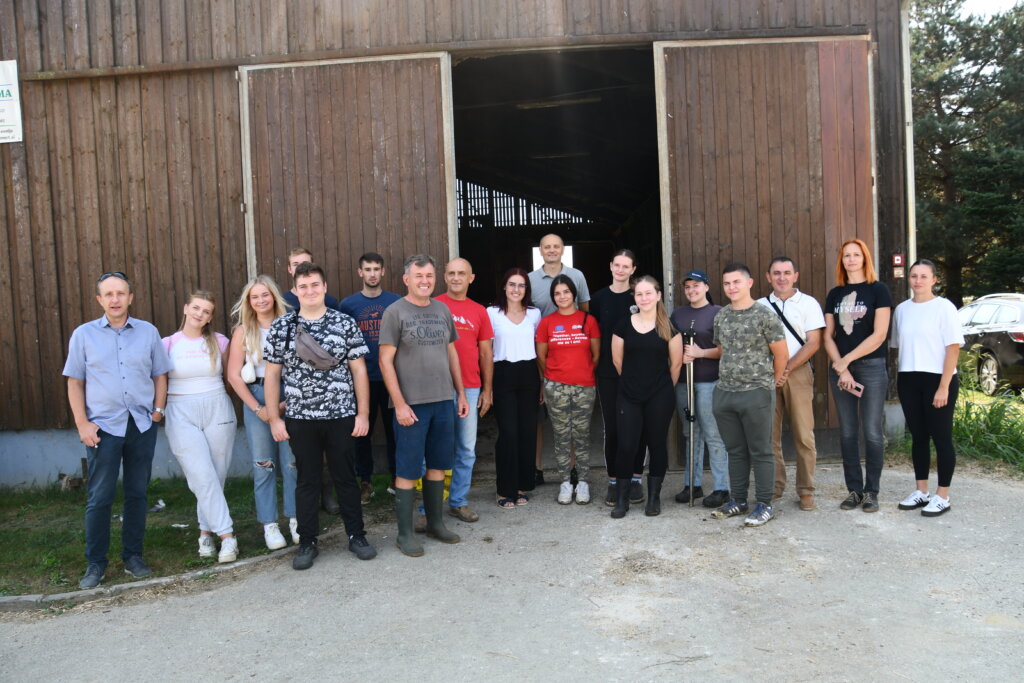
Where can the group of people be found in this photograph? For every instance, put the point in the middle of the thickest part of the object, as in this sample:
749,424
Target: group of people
314,374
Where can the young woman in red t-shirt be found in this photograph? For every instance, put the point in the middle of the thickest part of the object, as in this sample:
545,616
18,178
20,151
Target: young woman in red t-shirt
568,345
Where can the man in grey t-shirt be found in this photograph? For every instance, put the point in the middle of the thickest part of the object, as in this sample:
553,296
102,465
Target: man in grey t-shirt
551,249
421,372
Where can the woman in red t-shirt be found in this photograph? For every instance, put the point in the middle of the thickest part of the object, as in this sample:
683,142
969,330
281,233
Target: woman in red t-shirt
568,345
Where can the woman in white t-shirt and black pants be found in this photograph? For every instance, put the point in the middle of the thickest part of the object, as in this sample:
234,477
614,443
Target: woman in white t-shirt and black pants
201,421
927,332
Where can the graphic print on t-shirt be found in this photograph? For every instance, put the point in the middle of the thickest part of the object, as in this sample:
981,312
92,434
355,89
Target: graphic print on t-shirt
850,311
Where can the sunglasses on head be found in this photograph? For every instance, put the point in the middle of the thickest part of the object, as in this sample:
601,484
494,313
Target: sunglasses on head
114,273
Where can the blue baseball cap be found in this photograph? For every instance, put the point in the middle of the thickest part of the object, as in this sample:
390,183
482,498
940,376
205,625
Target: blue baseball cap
697,276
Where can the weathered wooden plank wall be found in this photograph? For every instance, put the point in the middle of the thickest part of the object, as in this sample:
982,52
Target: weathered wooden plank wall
331,176
132,151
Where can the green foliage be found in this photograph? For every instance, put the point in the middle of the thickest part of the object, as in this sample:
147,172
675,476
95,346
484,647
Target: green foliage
987,427
968,106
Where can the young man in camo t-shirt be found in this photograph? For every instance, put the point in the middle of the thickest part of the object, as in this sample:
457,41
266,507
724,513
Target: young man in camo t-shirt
754,354
325,409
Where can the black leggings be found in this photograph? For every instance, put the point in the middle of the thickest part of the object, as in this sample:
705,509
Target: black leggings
608,390
645,420
516,397
925,422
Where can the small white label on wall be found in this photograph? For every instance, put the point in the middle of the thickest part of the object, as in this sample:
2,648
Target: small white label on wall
10,102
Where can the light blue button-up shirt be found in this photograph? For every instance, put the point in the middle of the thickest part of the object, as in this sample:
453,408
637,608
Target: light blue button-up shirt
118,366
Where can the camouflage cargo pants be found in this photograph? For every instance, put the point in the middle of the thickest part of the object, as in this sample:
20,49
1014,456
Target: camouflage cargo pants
570,408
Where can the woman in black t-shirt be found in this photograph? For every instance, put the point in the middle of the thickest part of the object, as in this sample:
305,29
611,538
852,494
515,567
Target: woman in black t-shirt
857,314
648,353
610,305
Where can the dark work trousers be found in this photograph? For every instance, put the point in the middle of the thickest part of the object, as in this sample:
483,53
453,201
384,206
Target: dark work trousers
644,422
928,423
311,441
364,444
744,420
516,396
608,391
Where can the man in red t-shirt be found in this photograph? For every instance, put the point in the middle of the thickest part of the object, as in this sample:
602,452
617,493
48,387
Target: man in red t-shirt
476,357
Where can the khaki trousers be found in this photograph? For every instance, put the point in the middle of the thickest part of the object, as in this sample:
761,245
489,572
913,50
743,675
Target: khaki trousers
796,398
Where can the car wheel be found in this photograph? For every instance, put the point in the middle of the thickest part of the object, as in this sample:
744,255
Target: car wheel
988,375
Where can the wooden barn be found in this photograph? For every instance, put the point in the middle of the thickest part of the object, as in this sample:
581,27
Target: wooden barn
194,142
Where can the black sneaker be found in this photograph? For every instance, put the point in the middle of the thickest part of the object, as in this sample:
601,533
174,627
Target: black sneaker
136,567
684,495
361,548
852,501
612,497
92,578
636,491
538,477
574,477
304,558
870,502
716,499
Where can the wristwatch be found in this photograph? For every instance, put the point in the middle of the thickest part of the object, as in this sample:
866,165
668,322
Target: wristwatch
159,410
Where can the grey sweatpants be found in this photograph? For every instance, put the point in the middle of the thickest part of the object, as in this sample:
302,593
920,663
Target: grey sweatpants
201,433
744,420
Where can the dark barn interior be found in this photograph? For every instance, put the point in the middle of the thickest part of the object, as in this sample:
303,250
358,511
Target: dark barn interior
556,141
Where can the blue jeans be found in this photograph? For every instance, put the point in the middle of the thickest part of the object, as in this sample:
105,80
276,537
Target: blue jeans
705,430
428,443
870,372
263,448
465,450
134,451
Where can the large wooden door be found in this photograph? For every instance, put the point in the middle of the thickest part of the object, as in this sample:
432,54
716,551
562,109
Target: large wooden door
766,149
348,156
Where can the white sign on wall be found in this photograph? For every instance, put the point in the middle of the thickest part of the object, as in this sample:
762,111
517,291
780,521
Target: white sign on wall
10,102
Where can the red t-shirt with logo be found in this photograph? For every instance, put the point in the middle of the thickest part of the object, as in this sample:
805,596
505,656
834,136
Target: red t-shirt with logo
568,338
474,326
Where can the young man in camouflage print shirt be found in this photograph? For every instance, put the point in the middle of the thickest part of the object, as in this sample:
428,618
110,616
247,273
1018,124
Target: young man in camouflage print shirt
754,354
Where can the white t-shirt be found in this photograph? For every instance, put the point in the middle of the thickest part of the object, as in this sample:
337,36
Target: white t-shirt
922,332
802,311
514,342
192,372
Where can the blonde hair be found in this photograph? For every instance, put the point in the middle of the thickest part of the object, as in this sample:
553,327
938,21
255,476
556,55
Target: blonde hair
869,267
212,347
245,317
661,320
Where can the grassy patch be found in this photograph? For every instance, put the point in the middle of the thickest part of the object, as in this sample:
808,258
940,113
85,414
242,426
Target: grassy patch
42,533
988,428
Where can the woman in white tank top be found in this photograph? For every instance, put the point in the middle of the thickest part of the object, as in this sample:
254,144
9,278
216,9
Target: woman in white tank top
201,421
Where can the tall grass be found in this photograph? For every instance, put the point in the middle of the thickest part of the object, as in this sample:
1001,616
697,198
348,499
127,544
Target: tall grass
987,427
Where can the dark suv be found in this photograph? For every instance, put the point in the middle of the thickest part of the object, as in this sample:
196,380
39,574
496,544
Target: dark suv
995,324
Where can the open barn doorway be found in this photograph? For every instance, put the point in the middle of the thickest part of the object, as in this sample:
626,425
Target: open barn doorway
556,141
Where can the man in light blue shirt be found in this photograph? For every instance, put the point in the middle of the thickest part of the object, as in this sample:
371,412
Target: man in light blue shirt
117,387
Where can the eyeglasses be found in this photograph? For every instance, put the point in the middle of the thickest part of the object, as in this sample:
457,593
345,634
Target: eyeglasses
114,273
516,285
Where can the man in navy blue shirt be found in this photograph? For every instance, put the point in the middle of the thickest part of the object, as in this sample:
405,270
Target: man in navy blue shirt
367,308
117,387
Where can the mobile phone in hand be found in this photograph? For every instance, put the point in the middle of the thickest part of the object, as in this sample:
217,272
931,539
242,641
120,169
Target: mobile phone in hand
858,389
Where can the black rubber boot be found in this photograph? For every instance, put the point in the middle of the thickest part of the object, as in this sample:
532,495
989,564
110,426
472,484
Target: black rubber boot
405,505
433,507
622,507
653,508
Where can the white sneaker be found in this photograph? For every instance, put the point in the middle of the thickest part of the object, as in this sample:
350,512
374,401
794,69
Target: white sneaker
915,500
207,547
936,506
565,493
228,550
582,493
272,535
293,527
